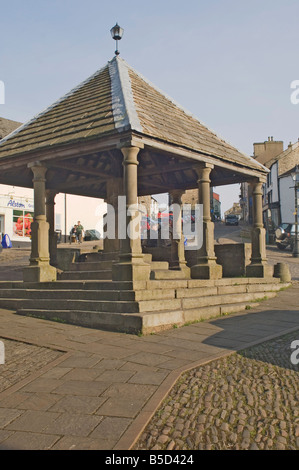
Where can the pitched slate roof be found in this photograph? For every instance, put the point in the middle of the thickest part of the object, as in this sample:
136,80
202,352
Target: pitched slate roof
287,160
118,99
7,126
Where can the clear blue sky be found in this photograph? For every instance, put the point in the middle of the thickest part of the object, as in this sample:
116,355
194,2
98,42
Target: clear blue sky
229,62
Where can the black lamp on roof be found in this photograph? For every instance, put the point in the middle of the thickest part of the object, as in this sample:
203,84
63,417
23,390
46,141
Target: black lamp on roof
117,33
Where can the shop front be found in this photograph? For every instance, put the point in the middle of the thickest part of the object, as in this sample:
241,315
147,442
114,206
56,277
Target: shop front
16,216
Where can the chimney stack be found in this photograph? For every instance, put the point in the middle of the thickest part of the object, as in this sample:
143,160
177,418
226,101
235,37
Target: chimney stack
265,151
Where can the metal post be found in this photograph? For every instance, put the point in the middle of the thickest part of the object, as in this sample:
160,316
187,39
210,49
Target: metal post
296,241
65,220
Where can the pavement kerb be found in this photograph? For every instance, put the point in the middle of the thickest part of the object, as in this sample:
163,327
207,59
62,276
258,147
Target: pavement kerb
37,343
132,434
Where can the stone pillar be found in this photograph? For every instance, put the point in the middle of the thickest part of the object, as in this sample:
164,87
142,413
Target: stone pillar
50,214
258,266
114,188
178,260
131,266
206,266
39,269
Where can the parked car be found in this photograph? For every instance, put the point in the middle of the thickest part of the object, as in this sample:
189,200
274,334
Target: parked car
92,235
231,220
285,236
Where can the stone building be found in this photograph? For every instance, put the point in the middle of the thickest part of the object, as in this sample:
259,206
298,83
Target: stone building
191,197
263,152
234,210
116,134
278,195
279,201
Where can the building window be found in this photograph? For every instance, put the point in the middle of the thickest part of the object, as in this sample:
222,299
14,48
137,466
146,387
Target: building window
22,223
269,179
269,197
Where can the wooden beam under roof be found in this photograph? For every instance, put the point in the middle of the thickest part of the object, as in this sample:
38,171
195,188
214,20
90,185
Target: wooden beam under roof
79,169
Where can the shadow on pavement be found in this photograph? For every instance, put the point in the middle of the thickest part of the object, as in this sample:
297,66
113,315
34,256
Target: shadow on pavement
239,330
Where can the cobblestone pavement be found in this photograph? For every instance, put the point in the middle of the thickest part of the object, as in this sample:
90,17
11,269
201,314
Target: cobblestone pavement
21,360
248,400
12,261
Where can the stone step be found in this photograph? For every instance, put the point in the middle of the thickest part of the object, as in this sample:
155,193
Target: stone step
88,294
71,304
98,256
165,274
159,265
125,323
91,266
135,323
69,285
59,300
112,306
62,294
107,265
146,289
101,290
219,290
85,275
207,301
150,284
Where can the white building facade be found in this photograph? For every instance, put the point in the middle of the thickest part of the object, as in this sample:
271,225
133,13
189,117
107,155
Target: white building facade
287,204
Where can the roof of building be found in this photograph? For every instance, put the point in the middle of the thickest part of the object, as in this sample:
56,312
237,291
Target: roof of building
7,126
287,160
117,99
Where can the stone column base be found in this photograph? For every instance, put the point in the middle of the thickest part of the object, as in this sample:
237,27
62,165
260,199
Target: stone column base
134,270
40,273
259,270
182,269
206,271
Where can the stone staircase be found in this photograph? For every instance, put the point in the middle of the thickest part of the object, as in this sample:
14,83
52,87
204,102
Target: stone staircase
85,295
98,266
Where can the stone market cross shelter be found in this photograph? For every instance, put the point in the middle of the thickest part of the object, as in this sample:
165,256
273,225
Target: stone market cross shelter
117,134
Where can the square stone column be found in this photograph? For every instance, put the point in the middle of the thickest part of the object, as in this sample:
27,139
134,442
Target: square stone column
206,266
50,214
131,266
114,188
178,260
39,269
258,266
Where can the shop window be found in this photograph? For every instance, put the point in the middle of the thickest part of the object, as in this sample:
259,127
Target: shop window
22,223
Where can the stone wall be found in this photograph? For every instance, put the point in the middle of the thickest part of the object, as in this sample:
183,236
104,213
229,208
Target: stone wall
233,257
